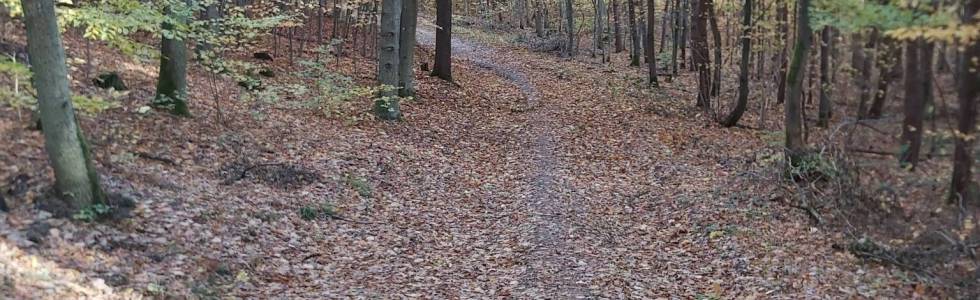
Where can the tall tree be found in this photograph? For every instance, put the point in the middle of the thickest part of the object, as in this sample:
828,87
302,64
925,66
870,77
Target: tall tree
570,28
406,48
75,176
443,67
743,68
699,52
617,27
793,120
782,18
963,186
890,65
824,111
598,30
634,35
917,86
171,92
862,62
716,38
387,107
651,56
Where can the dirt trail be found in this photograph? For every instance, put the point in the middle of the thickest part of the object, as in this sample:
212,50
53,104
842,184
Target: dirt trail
553,269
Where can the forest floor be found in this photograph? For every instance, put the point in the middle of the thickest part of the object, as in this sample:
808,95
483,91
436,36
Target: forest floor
532,176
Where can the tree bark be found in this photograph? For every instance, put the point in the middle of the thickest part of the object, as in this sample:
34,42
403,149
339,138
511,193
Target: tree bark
890,65
651,56
76,179
442,67
171,92
824,113
863,64
743,68
782,17
963,187
406,48
699,52
915,103
570,27
617,27
634,36
387,107
793,120
716,37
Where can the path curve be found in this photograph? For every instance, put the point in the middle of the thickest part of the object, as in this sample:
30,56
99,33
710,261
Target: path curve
553,268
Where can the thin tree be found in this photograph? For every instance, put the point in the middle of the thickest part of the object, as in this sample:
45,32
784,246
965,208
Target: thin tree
716,38
76,179
634,35
387,107
699,52
651,55
743,68
793,120
443,66
406,48
617,27
918,59
963,187
824,111
890,65
570,28
171,92
782,18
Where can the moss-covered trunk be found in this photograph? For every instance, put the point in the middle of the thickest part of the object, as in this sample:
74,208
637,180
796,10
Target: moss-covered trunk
793,121
171,92
75,176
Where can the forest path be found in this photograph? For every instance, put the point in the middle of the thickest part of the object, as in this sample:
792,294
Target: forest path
553,269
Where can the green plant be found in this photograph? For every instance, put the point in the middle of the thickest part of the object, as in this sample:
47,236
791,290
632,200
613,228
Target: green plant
324,210
359,184
92,212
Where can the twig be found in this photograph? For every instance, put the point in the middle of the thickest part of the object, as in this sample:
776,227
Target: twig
145,155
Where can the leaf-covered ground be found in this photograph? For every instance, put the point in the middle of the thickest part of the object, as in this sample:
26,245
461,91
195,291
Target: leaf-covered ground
532,177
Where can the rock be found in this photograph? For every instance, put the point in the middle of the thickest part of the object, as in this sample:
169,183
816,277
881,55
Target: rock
262,56
37,231
251,84
267,73
110,80
116,279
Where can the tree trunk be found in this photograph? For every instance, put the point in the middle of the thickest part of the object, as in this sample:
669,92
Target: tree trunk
570,27
617,28
963,187
539,23
915,102
743,68
863,64
406,48
171,92
795,148
685,28
651,56
699,52
663,26
824,113
675,37
386,107
890,65
716,36
76,179
600,13
782,17
442,67
634,36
